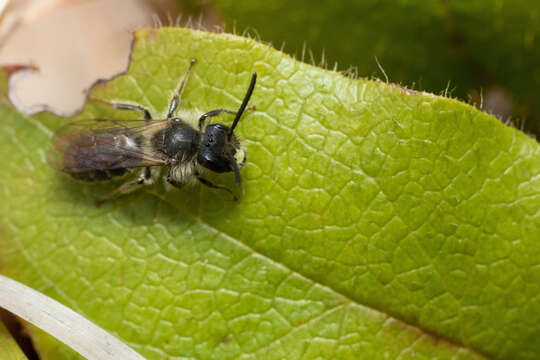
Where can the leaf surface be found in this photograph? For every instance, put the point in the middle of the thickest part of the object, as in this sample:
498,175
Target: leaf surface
472,49
374,222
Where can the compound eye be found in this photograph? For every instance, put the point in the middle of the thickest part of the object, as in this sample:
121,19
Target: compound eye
214,163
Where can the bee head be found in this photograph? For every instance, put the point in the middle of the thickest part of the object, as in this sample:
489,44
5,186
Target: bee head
220,150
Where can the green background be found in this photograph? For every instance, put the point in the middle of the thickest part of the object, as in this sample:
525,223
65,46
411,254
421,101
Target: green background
473,49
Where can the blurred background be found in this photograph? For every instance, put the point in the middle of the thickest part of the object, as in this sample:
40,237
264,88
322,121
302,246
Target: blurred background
484,52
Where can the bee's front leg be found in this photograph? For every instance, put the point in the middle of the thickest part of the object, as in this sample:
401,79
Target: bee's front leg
210,184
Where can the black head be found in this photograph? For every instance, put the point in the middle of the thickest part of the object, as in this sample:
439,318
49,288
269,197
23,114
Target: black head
220,150
216,149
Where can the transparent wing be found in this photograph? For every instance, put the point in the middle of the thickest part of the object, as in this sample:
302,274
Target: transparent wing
111,125
103,144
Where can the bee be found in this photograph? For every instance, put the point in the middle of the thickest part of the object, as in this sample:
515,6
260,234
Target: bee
182,148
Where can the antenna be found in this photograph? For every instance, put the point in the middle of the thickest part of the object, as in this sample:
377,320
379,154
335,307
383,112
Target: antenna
244,103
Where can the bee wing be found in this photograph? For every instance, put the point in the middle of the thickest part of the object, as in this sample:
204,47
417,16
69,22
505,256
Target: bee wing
111,126
104,144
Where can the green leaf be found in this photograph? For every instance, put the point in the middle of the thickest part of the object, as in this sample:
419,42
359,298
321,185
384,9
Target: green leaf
374,222
471,47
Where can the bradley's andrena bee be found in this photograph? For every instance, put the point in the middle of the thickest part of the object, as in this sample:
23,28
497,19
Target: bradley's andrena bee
103,149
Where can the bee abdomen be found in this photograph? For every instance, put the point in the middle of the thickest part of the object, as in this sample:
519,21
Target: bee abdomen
88,156
98,175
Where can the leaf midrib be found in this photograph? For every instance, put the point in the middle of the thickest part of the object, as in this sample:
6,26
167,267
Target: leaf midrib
328,287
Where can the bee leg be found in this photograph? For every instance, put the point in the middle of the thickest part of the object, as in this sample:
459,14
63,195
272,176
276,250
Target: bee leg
212,113
215,186
217,112
132,107
145,178
178,92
